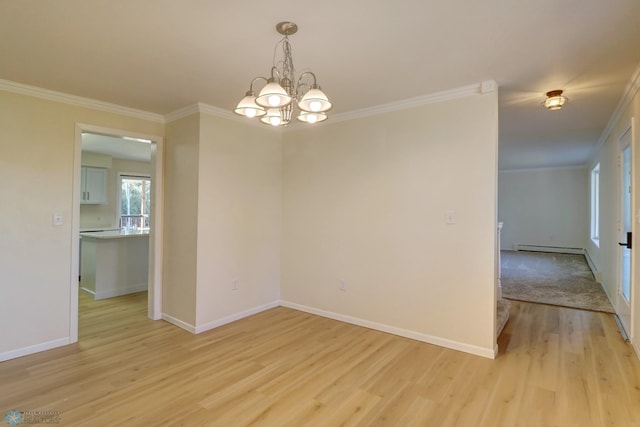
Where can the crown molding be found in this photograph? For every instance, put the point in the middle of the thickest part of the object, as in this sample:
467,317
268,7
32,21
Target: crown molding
79,101
461,92
182,112
445,95
219,112
487,86
630,91
203,108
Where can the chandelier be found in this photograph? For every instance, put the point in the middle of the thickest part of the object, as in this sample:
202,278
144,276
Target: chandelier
274,104
555,100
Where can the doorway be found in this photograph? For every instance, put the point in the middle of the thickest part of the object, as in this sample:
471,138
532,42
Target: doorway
625,231
154,308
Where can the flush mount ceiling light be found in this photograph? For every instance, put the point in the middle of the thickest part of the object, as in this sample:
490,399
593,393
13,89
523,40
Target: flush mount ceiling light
555,100
275,102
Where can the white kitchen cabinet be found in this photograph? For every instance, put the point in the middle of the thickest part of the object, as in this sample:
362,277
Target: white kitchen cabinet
93,186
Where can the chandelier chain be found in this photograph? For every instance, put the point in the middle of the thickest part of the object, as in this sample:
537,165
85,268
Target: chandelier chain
286,64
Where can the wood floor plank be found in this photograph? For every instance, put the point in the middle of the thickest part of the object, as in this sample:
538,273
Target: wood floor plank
281,367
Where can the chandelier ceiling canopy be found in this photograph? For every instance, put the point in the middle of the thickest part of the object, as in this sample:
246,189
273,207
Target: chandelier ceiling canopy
274,104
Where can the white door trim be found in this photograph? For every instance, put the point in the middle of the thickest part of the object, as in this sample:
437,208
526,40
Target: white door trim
634,221
157,221
619,298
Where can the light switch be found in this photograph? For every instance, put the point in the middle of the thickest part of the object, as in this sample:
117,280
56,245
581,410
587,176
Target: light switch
451,217
57,219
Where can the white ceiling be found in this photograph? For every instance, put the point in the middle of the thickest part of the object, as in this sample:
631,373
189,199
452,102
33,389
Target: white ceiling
162,55
119,148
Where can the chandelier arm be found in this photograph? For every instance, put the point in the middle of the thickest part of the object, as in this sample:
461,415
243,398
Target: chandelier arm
275,74
310,73
315,83
254,80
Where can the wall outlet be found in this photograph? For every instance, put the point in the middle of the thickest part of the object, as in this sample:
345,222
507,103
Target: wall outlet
234,285
57,219
343,285
450,217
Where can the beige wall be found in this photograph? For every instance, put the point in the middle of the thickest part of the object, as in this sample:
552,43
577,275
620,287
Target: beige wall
362,201
239,219
106,215
544,207
365,202
36,169
180,219
222,220
605,256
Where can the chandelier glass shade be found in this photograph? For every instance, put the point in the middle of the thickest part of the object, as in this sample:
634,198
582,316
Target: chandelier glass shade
248,107
273,95
555,100
275,103
309,117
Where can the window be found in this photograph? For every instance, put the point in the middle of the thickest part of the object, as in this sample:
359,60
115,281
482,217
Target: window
135,200
595,204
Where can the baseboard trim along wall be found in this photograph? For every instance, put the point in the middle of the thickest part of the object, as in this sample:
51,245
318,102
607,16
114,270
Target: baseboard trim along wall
179,323
490,353
236,316
114,292
88,292
110,293
219,322
596,274
442,342
34,349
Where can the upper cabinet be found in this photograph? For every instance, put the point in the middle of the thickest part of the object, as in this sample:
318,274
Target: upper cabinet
93,186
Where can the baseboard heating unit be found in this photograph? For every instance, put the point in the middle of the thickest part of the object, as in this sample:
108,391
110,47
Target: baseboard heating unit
556,249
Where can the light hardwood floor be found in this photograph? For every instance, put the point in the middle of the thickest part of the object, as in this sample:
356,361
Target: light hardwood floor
556,367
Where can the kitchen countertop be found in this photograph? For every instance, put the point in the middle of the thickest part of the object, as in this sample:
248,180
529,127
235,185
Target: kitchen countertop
115,234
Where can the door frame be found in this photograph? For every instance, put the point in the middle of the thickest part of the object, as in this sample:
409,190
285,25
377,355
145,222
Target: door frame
629,329
154,309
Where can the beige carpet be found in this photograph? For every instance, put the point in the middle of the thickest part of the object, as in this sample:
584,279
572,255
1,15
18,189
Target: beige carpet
548,278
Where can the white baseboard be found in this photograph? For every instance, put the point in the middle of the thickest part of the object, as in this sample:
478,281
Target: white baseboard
218,322
442,342
88,292
490,353
12,354
179,323
554,249
236,316
636,348
110,293
596,274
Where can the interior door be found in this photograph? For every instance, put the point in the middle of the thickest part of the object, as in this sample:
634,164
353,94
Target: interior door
625,225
